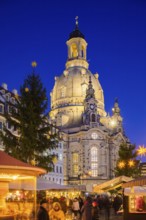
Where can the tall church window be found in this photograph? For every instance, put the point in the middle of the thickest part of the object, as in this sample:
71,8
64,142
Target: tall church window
75,163
75,169
84,88
94,161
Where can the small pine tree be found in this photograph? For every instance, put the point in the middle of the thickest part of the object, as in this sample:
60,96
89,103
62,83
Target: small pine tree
31,137
127,163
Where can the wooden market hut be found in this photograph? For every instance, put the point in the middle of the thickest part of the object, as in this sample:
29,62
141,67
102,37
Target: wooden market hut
13,171
134,202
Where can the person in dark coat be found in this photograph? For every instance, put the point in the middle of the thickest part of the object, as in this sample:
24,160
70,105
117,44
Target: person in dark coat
117,203
95,211
87,209
106,205
43,213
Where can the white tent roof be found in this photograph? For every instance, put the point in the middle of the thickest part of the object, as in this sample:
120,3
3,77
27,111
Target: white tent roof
42,184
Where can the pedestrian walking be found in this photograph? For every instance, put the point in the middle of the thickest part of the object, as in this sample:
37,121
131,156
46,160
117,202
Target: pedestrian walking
87,209
43,213
95,211
107,206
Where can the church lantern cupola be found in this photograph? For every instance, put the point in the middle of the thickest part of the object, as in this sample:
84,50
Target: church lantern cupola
77,47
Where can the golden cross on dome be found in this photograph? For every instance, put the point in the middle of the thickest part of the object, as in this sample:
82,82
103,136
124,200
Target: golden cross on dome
34,64
76,18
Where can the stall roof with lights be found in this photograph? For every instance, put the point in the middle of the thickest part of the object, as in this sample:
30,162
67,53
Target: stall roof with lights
111,184
137,182
10,165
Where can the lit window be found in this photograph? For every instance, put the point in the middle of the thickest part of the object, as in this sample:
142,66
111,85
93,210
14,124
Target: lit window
75,169
75,158
75,161
60,157
74,50
94,161
94,169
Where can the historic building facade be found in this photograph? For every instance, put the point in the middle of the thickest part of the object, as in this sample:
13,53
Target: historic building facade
91,137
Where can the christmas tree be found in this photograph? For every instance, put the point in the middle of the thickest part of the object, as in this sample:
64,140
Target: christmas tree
28,135
127,164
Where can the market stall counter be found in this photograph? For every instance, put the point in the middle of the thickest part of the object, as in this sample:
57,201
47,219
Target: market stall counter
17,188
134,201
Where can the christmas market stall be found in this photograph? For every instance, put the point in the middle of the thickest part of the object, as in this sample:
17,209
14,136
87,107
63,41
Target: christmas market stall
17,201
53,190
113,185
134,202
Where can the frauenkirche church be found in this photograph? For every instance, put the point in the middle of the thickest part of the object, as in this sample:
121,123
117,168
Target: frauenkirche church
90,137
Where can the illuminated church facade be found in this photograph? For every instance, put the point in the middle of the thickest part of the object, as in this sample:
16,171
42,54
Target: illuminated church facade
91,137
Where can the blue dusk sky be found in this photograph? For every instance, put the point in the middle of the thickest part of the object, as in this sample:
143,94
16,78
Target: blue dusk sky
115,31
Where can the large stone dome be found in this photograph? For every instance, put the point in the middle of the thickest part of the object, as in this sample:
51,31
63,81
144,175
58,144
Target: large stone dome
68,95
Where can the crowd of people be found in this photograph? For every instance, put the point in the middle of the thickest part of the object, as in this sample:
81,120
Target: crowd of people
78,209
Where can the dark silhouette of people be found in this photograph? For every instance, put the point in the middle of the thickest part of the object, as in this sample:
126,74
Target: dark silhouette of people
87,209
117,203
106,206
95,211
43,213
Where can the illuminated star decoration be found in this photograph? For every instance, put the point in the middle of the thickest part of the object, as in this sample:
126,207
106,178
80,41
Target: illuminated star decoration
131,163
121,164
141,151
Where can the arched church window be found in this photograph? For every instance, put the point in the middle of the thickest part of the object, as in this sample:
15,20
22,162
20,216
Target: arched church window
74,50
84,88
94,161
75,163
93,118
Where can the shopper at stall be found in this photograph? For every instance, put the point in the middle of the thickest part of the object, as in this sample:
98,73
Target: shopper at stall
43,213
139,203
56,212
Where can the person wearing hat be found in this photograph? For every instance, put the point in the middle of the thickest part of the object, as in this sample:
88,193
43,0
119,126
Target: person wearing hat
43,213
56,213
